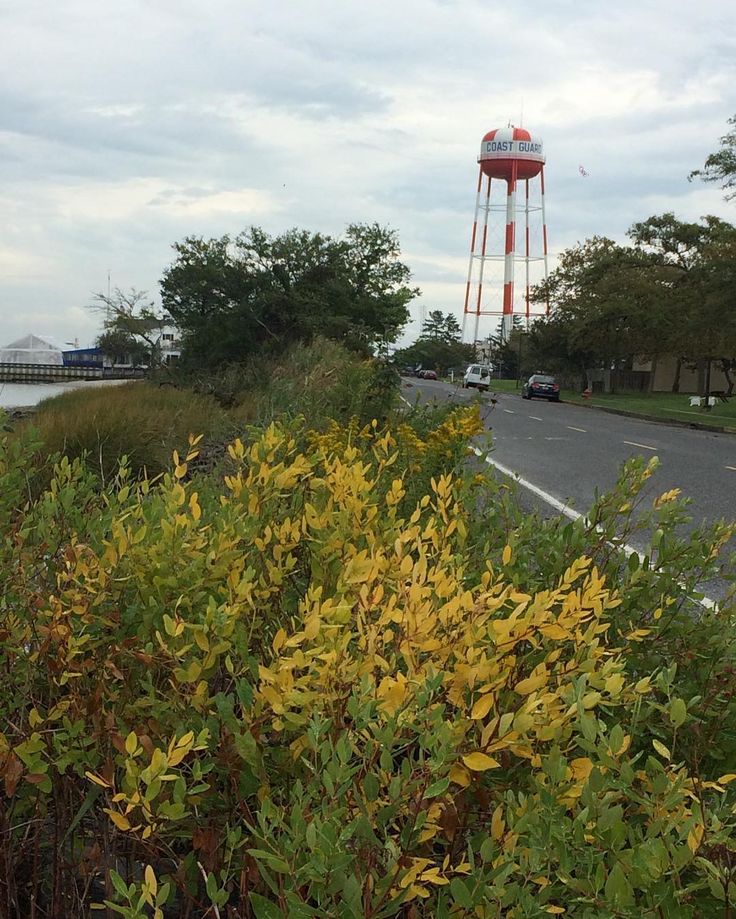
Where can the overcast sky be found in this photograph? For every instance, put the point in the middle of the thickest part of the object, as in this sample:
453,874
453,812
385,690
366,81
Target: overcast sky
126,126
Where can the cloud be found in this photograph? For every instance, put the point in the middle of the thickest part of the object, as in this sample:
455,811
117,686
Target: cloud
127,126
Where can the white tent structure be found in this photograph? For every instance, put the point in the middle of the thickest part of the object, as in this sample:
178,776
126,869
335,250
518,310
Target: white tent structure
31,350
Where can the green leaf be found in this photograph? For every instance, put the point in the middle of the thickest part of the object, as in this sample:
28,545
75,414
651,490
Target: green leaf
460,892
119,884
263,908
371,786
618,890
678,712
437,788
273,861
211,886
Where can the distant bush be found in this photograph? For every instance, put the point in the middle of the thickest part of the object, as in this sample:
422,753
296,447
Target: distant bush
141,421
323,381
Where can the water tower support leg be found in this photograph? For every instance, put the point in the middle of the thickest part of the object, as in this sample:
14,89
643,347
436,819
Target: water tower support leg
544,232
472,251
486,212
508,271
526,247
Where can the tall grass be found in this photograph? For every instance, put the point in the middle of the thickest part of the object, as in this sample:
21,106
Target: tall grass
141,421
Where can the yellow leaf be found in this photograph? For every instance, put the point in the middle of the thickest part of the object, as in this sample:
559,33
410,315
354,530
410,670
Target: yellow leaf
725,779
201,641
480,762
524,687
97,780
121,822
482,707
34,718
506,557
498,824
311,630
460,776
555,632
581,768
695,837
131,743
556,910
151,881
278,640
661,749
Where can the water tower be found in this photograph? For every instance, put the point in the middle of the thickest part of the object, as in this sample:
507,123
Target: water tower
511,156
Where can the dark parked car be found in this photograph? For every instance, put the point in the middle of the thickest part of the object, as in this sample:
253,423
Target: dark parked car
541,386
428,374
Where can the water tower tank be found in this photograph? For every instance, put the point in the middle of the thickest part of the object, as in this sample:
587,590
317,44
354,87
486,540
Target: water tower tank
503,148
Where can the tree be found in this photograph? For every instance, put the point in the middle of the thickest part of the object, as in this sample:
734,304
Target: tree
606,307
123,347
232,298
434,354
721,165
439,326
132,326
696,264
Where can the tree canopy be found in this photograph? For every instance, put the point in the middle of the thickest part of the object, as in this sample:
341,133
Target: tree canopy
232,297
670,292
721,165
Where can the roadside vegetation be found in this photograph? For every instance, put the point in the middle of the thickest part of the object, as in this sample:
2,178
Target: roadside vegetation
342,675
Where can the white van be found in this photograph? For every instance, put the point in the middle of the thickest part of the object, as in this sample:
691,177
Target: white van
478,375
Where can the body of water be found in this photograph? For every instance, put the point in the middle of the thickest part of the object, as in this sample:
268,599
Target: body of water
17,395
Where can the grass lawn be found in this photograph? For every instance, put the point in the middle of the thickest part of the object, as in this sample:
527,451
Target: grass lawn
665,405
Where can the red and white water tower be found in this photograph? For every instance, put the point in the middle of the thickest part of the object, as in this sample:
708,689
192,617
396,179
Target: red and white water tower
512,156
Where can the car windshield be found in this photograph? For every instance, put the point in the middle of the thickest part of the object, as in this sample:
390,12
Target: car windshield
541,379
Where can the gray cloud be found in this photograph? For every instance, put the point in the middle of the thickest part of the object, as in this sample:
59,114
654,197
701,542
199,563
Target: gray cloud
125,127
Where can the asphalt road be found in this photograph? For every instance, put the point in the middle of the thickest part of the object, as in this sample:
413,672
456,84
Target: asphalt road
569,451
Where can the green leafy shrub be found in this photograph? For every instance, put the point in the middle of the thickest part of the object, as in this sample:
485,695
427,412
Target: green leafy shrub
322,380
295,692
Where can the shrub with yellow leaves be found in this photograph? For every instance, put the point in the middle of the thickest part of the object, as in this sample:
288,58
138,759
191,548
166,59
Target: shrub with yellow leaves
295,692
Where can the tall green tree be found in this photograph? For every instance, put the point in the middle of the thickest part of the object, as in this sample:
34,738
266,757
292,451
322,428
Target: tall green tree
233,297
606,307
694,267
439,326
721,165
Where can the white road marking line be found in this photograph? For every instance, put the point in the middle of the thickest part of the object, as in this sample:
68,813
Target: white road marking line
582,430
633,443
565,509
509,412
731,467
534,418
